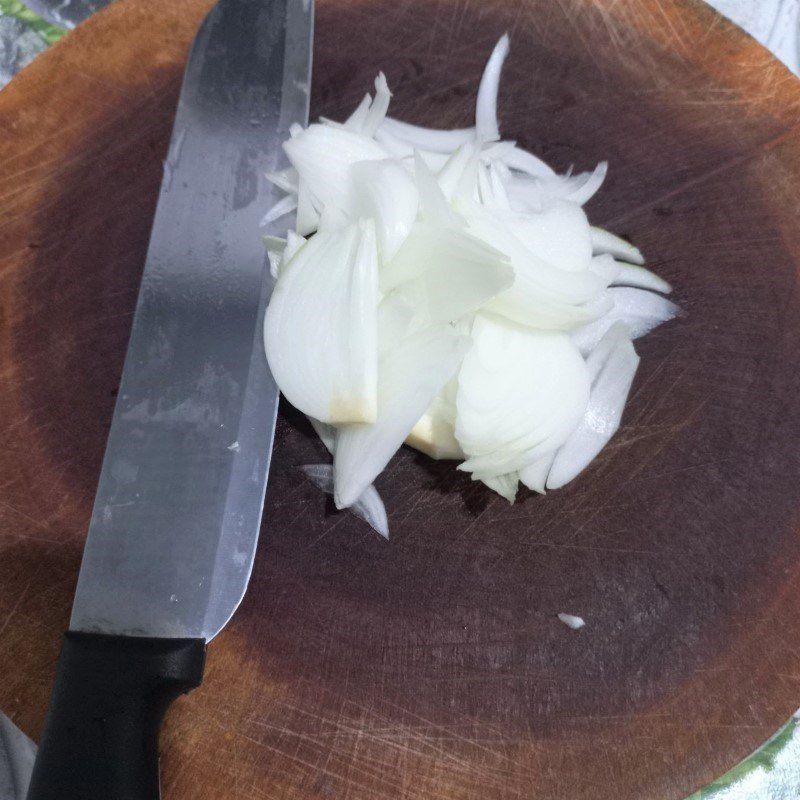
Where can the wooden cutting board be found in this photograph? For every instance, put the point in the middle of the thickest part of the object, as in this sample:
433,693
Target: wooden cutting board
433,666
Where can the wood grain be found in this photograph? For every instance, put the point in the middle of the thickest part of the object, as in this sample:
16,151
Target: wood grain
434,666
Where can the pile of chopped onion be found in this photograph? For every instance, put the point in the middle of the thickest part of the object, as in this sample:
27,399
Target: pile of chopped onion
444,288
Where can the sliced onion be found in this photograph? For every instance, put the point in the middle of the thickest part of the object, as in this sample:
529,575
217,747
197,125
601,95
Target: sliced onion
486,127
320,327
285,179
369,505
355,122
433,205
437,141
429,247
410,376
452,173
504,485
587,184
606,267
606,402
326,433
543,296
447,278
434,435
534,475
397,319
520,394
275,247
560,236
386,192
379,107
639,309
284,206
606,242
616,336
571,621
323,156
522,160
307,214
633,275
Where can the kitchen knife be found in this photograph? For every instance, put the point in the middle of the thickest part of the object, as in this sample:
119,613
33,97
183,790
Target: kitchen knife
178,508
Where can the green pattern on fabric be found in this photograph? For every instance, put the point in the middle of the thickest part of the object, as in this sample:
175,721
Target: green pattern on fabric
47,32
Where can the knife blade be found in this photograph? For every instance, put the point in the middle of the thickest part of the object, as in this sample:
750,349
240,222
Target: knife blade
178,508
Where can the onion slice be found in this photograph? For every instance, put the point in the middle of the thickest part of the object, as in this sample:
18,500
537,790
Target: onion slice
386,192
606,242
369,505
411,375
520,395
437,141
486,127
606,402
640,310
320,327
323,155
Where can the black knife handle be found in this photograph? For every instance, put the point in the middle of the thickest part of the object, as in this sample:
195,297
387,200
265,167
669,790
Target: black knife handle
100,739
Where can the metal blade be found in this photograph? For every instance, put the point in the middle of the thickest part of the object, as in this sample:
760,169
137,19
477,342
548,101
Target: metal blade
178,507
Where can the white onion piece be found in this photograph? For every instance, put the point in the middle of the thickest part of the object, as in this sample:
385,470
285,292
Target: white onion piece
614,337
320,327
275,247
386,192
410,376
285,179
379,107
524,305
293,244
355,122
323,156
397,148
434,433
499,190
396,320
559,235
523,161
458,276
603,414
369,505
606,242
437,141
606,267
534,475
307,218
486,127
451,174
634,275
435,436
542,296
433,205
429,247
571,621
284,206
326,433
520,394
504,485
585,186
639,309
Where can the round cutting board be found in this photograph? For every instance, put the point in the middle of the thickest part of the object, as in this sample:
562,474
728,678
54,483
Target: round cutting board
433,666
